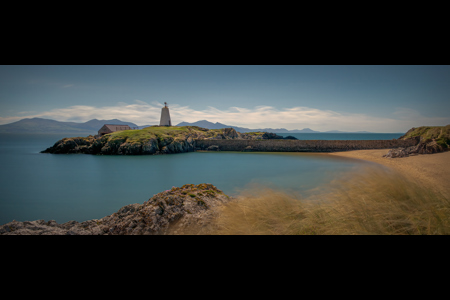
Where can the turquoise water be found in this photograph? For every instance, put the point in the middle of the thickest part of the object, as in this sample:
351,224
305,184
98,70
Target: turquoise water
80,187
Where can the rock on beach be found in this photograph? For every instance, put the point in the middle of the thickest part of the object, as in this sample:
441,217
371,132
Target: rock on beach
425,146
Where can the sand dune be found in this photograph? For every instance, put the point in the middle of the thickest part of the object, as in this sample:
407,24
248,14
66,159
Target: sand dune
430,170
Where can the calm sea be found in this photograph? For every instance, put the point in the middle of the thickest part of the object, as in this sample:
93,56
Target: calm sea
80,187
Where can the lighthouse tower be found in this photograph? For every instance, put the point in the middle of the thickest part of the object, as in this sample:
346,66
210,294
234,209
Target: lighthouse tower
165,116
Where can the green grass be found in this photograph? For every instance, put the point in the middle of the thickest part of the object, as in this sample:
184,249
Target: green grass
151,133
215,132
429,132
440,133
165,133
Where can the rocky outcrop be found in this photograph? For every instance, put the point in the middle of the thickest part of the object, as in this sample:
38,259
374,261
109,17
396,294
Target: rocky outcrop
263,136
290,137
154,141
250,136
121,146
187,209
230,133
271,136
429,139
425,146
225,134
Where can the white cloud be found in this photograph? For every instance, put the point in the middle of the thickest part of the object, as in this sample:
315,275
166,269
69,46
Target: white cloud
143,113
7,120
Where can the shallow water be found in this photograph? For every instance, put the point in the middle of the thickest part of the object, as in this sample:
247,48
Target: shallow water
80,187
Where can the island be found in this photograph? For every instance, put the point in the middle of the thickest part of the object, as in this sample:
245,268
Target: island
153,140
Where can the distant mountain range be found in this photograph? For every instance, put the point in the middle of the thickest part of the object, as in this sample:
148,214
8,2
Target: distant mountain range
39,125
210,125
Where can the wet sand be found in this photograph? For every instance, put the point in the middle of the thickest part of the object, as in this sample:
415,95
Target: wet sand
430,170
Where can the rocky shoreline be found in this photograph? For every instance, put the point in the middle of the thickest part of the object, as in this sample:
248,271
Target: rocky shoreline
181,210
189,209
427,146
150,141
156,140
429,139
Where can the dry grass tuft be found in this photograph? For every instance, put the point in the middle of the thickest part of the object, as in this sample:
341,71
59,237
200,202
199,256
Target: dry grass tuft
377,202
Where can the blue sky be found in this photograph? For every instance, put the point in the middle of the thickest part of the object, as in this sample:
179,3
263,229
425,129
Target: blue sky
352,98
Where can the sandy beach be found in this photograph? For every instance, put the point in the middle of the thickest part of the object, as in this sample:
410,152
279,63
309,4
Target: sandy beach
430,170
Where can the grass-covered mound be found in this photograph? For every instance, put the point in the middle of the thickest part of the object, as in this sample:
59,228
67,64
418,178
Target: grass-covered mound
430,139
441,134
150,140
159,132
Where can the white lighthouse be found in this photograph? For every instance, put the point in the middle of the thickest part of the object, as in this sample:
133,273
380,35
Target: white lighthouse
165,116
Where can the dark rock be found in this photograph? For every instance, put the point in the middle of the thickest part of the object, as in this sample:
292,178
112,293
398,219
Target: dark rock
165,150
425,146
271,136
130,149
150,147
52,223
159,210
230,133
290,137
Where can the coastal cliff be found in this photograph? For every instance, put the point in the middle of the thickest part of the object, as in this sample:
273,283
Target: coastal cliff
150,140
187,209
429,139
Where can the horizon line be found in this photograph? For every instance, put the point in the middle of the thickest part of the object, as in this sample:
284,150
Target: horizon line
228,126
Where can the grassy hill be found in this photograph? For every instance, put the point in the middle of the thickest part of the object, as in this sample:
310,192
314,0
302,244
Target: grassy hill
154,132
174,132
440,133
150,140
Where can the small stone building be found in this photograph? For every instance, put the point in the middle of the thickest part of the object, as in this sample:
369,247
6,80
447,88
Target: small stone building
109,128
